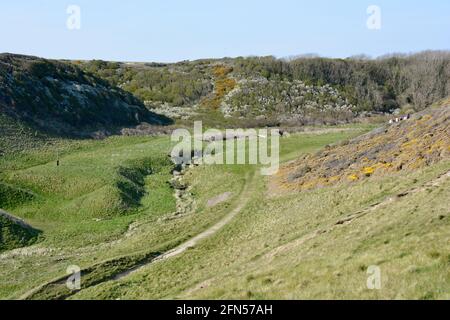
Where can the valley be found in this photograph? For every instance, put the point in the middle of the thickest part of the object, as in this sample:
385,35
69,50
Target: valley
86,180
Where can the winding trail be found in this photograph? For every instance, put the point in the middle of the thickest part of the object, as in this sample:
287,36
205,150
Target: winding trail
242,202
244,197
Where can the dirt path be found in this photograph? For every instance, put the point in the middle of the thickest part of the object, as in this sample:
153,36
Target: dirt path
242,202
243,199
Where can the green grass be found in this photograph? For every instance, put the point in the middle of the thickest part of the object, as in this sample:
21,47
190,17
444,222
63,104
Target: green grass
13,235
16,136
261,254
90,199
85,206
108,207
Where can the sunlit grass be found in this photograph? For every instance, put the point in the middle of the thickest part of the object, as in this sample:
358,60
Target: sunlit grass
260,254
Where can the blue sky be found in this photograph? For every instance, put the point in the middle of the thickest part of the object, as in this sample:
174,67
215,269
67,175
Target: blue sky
174,30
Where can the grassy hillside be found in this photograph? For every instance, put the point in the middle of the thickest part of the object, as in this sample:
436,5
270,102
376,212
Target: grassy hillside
104,210
315,244
293,246
17,136
320,245
14,233
88,201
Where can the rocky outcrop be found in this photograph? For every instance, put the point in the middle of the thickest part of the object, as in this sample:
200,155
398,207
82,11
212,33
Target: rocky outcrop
59,97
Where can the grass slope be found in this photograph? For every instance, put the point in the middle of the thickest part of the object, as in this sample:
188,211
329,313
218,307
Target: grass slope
315,244
72,207
14,233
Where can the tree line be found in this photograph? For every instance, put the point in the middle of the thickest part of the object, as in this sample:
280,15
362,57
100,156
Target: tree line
382,84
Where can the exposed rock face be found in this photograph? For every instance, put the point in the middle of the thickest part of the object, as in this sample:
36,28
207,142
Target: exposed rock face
411,144
59,97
